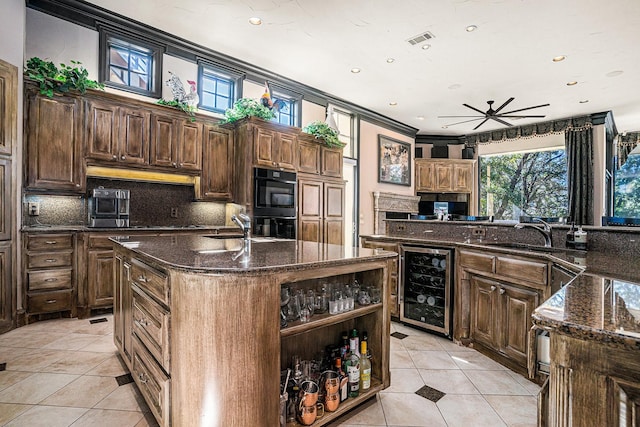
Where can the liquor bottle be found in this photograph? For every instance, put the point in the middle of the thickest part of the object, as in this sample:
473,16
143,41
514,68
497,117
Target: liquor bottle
353,367
354,336
365,367
344,380
344,348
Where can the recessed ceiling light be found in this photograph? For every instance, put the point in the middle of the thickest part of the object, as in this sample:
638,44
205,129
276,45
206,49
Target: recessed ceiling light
573,83
445,127
393,103
471,28
355,70
420,117
390,60
559,58
584,101
426,46
255,21
455,86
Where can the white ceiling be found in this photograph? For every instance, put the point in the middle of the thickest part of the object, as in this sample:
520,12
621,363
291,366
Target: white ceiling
318,42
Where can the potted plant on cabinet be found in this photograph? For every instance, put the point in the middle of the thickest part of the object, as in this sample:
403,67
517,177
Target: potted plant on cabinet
324,134
51,79
247,107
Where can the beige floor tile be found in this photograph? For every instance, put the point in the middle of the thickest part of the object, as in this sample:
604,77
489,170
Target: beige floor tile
404,381
422,342
72,341
29,339
104,344
369,414
111,367
47,416
496,382
409,409
400,359
530,386
102,328
34,360
516,411
124,398
78,362
108,418
396,345
35,388
448,381
468,410
53,325
432,360
9,411
9,378
84,392
147,421
472,360
451,346
399,327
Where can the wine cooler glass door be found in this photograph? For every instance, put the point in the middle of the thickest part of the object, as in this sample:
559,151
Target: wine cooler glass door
426,287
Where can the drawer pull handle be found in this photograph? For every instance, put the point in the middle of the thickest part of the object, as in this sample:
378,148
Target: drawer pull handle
142,279
51,279
493,288
142,322
51,260
143,378
502,291
51,301
51,242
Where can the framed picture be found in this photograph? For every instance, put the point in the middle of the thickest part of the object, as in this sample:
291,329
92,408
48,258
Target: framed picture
394,161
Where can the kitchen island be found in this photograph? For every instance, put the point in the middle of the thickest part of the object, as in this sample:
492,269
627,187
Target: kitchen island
197,321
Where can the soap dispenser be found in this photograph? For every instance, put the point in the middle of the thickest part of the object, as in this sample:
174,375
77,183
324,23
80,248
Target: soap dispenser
580,239
570,243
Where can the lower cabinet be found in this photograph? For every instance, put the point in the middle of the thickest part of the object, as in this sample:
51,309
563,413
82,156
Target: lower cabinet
100,277
367,242
320,210
122,300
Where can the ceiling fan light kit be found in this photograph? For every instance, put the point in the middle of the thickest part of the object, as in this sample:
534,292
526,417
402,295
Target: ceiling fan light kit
496,115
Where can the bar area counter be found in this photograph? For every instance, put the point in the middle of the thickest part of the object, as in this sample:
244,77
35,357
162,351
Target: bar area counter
197,321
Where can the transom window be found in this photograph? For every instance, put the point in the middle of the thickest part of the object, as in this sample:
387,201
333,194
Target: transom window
217,90
130,65
287,113
530,183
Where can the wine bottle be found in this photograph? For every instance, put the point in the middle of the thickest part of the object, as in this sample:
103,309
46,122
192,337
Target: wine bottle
354,336
353,366
365,368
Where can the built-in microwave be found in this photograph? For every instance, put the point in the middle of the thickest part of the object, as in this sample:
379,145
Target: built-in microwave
274,193
109,207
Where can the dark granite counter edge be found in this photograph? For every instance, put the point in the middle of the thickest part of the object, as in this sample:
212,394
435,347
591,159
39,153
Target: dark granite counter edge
168,228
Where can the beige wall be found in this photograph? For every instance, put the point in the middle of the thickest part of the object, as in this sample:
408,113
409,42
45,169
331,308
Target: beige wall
368,163
312,112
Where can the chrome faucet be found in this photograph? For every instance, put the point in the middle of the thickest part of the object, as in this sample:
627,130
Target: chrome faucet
244,222
545,230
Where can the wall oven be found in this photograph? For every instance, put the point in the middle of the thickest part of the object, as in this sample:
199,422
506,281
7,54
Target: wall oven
274,205
426,284
109,207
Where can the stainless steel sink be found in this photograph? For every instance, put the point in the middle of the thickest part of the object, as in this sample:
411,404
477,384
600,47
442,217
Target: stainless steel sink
525,247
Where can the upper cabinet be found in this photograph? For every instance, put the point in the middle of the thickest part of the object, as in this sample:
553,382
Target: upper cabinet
275,149
8,106
444,175
54,143
216,181
315,158
176,143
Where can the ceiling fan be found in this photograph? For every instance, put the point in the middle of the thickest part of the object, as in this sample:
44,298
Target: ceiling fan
495,114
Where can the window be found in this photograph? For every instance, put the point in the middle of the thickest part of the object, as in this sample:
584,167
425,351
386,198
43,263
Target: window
287,113
530,183
346,132
627,187
218,88
130,64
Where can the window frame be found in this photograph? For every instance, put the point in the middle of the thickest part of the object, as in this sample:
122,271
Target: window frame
279,92
234,77
156,52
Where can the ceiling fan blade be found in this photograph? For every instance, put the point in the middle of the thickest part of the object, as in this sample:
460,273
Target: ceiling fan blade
475,109
520,117
503,105
452,117
501,121
523,109
466,121
483,122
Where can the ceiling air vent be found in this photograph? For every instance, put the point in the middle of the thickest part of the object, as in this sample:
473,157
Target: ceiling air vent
420,38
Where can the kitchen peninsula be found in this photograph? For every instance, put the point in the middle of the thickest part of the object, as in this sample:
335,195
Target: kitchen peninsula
197,321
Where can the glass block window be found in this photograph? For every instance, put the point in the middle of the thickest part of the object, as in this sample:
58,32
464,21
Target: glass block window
217,90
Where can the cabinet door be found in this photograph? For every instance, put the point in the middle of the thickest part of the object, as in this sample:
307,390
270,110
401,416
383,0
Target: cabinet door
216,182
444,176
134,136
425,175
264,141
163,141
189,146
54,155
102,130
287,147
517,305
100,278
331,162
333,200
6,322
127,312
8,106
310,229
463,177
309,157
310,198
484,310
118,273
334,231
5,197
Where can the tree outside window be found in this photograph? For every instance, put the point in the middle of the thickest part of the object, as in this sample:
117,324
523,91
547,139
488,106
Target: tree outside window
627,187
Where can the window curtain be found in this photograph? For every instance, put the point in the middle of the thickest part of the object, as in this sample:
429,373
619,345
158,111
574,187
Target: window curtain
626,143
579,150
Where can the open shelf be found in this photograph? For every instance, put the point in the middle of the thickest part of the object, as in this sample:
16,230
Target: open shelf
326,319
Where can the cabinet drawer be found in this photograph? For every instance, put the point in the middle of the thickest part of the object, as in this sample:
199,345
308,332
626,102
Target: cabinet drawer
49,279
152,382
48,302
477,261
154,282
151,326
101,242
49,259
50,242
528,271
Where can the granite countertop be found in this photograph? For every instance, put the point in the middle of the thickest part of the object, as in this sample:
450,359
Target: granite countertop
215,255
139,228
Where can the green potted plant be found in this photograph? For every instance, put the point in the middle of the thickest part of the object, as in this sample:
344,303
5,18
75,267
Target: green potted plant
321,131
247,107
51,79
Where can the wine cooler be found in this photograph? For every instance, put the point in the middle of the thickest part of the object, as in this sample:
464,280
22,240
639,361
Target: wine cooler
425,287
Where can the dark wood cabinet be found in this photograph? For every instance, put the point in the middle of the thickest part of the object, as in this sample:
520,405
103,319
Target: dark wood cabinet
6,211
516,306
331,162
8,107
484,312
134,135
320,210
275,149
54,143
100,278
309,155
6,286
217,179
122,303
333,213
176,143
